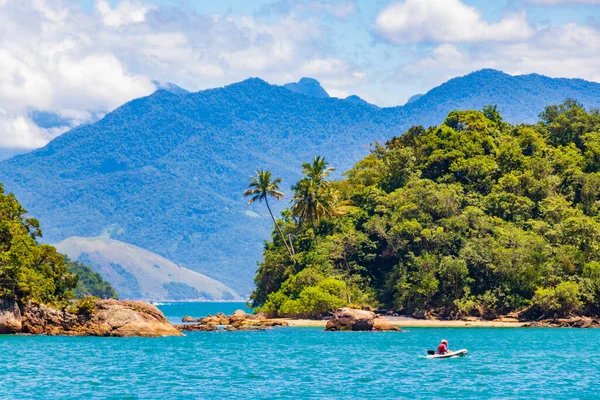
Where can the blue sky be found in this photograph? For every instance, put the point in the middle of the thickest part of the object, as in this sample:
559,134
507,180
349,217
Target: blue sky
75,58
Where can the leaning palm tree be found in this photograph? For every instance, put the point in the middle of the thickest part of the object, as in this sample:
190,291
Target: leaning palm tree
261,187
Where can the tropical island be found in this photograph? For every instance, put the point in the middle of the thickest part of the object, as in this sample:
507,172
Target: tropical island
472,218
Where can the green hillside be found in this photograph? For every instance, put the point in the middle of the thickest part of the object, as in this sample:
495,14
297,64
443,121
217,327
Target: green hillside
472,217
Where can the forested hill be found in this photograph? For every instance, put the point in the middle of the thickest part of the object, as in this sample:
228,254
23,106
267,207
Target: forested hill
472,217
166,172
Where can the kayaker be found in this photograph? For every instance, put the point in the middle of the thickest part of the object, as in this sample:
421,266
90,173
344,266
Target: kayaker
443,347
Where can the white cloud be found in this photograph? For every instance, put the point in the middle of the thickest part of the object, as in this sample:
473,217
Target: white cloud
124,13
54,57
570,51
446,21
21,132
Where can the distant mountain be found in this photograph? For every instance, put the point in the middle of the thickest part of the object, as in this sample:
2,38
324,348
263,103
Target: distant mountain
138,274
170,87
357,100
166,172
414,98
11,152
308,87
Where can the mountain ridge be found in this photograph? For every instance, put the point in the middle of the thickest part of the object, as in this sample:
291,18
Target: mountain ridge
166,172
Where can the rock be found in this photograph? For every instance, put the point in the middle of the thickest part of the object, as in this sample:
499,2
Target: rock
219,319
258,323
349,319
238,315
382,325
244,328
187,318
259,316
418,315
10,317
110,318
573,322
197,328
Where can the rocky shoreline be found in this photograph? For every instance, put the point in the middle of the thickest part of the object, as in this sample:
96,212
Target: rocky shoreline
347,319
343,319
99,318
238,321
135,318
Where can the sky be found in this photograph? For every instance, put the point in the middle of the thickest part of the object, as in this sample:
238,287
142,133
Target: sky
80,58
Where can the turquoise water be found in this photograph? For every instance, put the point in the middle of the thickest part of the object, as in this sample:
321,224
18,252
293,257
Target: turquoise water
302,362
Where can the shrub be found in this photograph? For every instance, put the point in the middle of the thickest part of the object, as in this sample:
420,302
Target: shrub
86,306
561,300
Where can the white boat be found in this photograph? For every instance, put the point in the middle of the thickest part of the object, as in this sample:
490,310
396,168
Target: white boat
451,354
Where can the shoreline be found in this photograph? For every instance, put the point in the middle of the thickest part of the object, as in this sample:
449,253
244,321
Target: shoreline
409,322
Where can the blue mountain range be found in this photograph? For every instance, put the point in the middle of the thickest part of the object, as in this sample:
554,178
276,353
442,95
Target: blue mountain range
166,172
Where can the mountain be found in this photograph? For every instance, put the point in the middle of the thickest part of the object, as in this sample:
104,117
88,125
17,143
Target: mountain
357,100
170,87
519,98
308,87
166,172
138,274
414,98
11,152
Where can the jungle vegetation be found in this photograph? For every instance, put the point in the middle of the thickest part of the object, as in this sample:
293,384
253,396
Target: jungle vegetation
472,217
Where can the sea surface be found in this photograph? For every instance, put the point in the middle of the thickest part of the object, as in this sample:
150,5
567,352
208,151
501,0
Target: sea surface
302,363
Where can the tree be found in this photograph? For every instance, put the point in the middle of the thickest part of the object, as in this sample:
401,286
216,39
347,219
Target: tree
313,197
29,270
262,186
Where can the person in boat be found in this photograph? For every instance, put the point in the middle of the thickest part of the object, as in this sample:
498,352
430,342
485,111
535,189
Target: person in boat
443,347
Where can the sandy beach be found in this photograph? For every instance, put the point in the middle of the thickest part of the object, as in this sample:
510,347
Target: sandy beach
408,322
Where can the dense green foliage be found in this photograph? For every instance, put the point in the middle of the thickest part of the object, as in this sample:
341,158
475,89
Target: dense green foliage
472,217
29,270
90,283
167,172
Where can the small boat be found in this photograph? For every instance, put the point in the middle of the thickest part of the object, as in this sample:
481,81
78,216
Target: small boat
451,354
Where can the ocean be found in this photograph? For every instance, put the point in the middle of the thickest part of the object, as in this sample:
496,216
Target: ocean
302,363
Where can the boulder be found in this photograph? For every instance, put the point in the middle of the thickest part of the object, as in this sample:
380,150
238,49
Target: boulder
219,319
187,318
244,328
381,325
572,322
10,317
108,318
197,328
258,322
418,314
349,319
238,315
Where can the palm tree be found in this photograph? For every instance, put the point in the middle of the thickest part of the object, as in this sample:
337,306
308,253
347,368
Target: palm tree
313,197
261,187
318,170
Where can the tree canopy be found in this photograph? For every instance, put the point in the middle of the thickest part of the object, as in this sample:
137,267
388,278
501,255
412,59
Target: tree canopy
471,217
